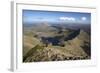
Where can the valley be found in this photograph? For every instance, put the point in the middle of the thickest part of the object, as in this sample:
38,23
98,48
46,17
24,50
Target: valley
56,42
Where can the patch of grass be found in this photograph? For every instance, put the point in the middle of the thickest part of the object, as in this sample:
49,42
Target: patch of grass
33,51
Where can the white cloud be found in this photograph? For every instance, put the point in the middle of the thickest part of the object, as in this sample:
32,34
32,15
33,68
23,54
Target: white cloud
83,18
67,18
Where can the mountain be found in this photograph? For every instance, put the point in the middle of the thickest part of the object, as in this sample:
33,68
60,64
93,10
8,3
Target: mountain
76,48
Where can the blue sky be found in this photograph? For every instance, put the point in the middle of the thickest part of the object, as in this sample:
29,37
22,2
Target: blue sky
34,16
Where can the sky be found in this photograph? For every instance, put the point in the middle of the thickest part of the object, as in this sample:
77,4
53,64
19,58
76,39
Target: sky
35,16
